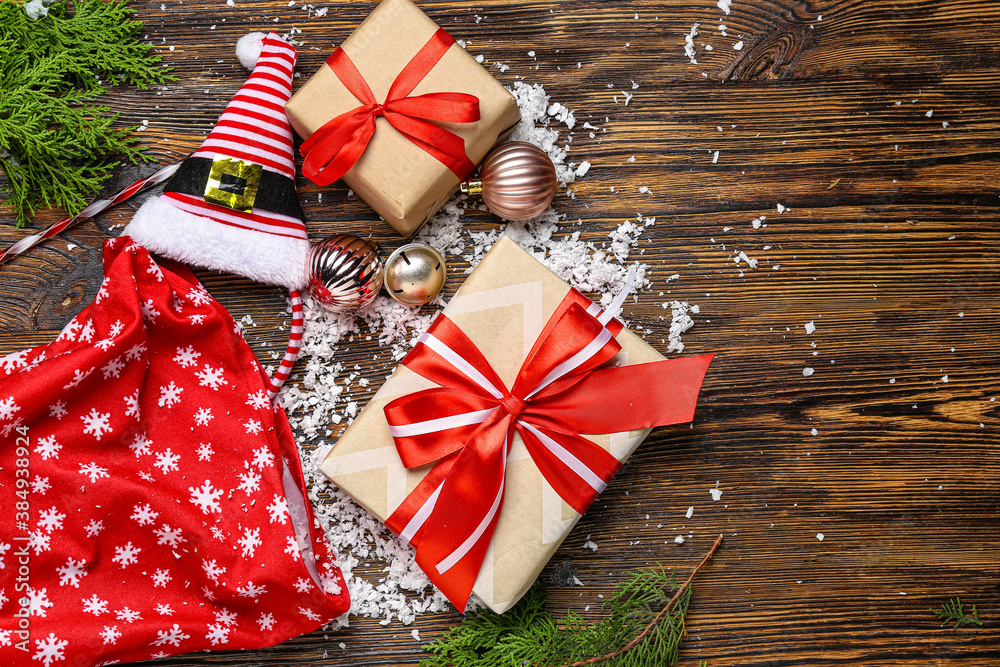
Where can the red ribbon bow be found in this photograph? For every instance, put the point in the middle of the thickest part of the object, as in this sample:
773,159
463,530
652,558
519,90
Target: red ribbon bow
468,422
333,149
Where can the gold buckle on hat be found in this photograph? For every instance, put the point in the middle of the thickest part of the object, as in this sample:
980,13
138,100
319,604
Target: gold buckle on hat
233,183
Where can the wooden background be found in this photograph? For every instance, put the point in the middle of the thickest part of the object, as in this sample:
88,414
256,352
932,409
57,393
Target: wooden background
890,246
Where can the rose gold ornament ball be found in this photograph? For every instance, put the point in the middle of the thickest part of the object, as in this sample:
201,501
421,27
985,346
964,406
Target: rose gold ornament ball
519,181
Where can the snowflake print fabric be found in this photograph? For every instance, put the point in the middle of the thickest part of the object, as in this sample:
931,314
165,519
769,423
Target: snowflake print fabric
167,511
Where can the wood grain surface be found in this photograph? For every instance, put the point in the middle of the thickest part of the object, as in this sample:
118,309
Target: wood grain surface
877,124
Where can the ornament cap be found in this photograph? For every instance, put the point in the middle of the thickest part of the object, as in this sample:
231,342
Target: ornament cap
471,187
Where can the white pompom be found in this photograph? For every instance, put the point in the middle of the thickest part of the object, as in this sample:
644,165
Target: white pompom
248,49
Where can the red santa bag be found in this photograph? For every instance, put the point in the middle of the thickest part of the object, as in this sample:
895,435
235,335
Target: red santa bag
154,499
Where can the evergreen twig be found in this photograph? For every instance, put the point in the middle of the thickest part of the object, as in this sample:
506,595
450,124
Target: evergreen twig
952,610
56,144
644,626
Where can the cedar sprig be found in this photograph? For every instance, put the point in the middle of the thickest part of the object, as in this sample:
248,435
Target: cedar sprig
953,610
56,144
643,626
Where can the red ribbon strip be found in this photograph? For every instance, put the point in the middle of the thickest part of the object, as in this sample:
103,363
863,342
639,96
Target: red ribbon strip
468,422
333,149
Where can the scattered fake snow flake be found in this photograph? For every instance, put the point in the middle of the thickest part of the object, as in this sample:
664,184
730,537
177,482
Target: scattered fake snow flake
715,157
679,539
820,536
814,432
716,494
689,50
738,46
780,207
725,6
810,326
944,378
807,371
680,322
690,512
415,634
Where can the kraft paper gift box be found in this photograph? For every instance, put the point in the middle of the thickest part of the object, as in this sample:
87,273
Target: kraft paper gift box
502,308
404,183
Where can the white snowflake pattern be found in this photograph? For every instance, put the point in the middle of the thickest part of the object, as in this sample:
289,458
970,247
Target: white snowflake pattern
94,528
143,475
197,319
205,451
173,636
211,377
116,329
218,534
40,484
95,605
155,271
266,622
149,311
71,573
51,519
57,410
199,296
96,423
69,331
177,302
105,344
250,541
38,541
38,602
262,458
102,292
128,615
78,377
168,535
292,548
48,448
50,649
8,408
132,405
225,617
278,509
93,471
206,498
135,352
87,333
144,515
13,426
37,361
4,634
258,400
252,426
140,445
110,634
164,610
113,368
212,570
4,548
126,555
161,578
167,461
217,634
170,395
187,356
310,614
249,482
251,591
302,585
15,360
203,416
208,593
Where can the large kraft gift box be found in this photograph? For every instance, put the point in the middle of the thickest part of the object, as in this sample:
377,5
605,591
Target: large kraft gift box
502,308
404,183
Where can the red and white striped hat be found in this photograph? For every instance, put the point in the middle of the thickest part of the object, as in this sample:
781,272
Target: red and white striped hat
232,205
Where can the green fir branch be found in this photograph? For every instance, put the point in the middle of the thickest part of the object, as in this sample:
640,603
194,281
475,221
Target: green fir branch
643,626
952,610
57,146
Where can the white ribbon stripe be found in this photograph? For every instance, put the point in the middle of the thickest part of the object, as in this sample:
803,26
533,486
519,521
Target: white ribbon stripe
460,364
420,517
564,455
441,424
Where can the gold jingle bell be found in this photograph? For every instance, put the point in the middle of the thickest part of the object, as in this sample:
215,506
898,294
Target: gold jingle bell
414,274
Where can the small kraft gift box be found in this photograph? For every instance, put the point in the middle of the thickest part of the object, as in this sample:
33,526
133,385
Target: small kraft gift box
402,113
485,481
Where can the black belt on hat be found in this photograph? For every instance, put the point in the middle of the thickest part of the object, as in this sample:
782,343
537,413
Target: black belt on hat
236,184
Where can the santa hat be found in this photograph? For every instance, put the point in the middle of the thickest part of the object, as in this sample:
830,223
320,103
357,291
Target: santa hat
232,205
168,511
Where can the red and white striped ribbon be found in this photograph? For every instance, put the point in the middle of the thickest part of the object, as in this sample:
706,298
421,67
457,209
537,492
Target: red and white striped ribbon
100,205
294,344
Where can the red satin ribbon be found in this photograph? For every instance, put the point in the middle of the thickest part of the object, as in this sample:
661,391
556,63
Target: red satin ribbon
466,425
333,149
